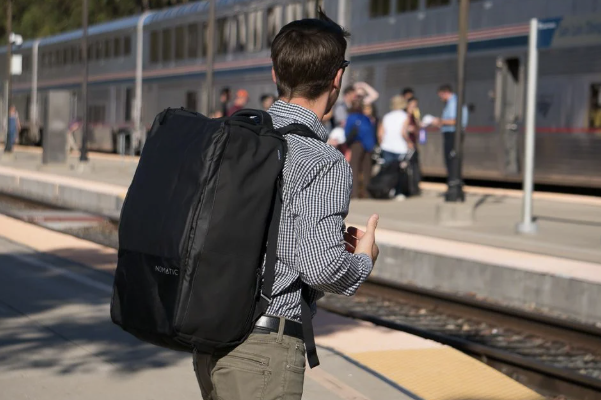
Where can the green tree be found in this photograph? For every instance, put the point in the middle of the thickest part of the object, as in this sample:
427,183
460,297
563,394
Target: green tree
35,18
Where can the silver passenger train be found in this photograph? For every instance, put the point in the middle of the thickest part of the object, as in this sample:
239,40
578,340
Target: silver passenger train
394,44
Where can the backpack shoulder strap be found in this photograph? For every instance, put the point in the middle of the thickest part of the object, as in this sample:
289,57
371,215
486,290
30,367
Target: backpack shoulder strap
299,130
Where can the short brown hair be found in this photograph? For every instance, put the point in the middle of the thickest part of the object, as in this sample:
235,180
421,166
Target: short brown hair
306,56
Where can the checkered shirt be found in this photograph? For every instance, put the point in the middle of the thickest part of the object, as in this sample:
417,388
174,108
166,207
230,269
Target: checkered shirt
316,195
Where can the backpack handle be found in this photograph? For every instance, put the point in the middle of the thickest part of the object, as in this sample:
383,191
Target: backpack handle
300,130
257,116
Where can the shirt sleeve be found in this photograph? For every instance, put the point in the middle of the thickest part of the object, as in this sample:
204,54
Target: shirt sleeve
319,210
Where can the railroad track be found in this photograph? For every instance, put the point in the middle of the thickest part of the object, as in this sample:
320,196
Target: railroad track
558,358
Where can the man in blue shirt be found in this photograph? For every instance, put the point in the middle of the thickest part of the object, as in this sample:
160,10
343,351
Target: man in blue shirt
447,123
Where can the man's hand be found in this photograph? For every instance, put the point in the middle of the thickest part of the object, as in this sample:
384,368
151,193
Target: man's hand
360,242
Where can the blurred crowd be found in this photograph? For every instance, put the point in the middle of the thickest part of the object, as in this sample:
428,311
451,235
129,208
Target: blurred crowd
383,151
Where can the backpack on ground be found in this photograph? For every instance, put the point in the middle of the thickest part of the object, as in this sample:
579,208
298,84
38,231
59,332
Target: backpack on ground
199,221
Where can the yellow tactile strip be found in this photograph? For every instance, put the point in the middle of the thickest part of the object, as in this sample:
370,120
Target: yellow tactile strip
444,374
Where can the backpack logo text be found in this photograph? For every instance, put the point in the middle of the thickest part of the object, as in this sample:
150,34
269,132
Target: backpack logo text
166,271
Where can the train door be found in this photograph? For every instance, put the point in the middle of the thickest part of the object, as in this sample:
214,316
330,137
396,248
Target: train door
509,105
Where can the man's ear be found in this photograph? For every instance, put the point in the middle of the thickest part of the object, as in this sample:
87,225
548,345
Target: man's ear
338,79
273,77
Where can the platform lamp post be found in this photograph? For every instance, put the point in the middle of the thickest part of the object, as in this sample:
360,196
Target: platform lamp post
83,156
210,58
455,190
7,85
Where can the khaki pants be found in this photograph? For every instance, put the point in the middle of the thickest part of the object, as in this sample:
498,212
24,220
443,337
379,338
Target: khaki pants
264,367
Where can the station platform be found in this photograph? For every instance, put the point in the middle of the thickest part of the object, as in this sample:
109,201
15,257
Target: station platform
554,271
57,340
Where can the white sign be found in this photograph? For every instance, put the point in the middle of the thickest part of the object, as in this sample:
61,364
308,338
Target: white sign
16,64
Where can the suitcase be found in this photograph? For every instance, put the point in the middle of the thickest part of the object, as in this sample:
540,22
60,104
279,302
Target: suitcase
383,185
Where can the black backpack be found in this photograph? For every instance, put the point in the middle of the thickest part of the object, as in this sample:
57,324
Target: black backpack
199,220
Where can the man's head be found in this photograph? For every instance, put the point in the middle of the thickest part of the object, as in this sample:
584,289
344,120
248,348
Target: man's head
12,108
266,101
349,95
445,92
241,98
408,93
308,59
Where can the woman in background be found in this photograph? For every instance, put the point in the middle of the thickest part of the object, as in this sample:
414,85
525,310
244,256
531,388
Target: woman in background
360,138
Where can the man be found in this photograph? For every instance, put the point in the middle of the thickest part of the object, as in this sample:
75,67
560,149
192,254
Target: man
313,247
342,108
447,123
240,102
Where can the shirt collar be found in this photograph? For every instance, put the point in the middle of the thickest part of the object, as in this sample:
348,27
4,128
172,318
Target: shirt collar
294,114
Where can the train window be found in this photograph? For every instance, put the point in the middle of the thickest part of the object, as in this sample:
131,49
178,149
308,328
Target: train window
240,33
294,11
595,106
191,101
205,42
379,8
180,44
155,47
128,104
79,54
167,45
192,41
127,45
90,52
74,55
26,63
107,49
274,23
255,25
406,6
99,50
222,36
96,113
67,56
44,60
58,58
437,3
117,47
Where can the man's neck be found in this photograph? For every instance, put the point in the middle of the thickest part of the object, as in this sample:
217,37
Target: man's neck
318,106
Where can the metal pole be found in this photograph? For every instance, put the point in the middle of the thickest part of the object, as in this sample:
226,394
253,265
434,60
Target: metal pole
7,87
455,190
139,71
528,225
343,17
210,58
84,86
34,89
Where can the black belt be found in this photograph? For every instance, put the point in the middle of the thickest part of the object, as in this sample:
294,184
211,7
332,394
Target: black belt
267,324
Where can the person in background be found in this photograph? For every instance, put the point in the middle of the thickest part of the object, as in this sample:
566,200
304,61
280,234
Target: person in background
408,94
14,127
371,112
360,138
393,135
367,94
413,127
240,102
341,110
73,127
224,100
446,123
267,101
